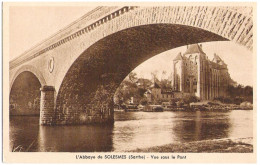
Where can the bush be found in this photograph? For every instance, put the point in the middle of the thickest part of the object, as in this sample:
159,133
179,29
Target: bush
143,101
189,99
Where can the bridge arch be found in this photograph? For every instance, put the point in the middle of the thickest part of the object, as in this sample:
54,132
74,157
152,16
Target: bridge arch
86,93
227,22
25,92
27,68
126,38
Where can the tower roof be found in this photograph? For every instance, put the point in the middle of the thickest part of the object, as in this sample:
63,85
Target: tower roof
219,61
178,57
216,58
194,48
155,85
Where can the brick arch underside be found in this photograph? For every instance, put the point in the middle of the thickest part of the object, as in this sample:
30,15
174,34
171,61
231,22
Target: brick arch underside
28,68
86,93
25,95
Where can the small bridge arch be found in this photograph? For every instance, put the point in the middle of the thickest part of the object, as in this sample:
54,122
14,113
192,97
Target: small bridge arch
27,68
25,91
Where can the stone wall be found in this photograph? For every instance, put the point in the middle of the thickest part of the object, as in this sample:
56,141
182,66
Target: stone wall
47,111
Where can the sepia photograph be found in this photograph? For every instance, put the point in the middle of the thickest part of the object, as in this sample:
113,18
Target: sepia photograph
120,79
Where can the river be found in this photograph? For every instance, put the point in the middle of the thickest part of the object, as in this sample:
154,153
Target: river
130,131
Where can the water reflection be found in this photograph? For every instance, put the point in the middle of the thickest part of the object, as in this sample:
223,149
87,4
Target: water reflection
131,130
23,131
202,126
241,123
141,129
26,132
75,138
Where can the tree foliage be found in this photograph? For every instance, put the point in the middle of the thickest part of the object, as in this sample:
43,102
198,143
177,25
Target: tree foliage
237,95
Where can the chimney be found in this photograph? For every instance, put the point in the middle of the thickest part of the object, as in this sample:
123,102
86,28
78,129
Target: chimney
201,46
187,46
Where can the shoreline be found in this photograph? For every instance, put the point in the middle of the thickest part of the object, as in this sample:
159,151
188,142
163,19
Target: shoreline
226,145
219,110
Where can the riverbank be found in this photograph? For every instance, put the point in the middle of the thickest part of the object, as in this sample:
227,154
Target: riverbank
227,145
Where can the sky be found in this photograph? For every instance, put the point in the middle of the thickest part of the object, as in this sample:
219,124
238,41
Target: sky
31,25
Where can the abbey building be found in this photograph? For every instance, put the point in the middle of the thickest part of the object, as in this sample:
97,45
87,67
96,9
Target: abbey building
195,74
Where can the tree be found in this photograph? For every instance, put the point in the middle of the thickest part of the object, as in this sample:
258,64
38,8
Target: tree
154,75
144,101
165,84
189,99
163,75
144,83
132,77
127,89
248,91
118,97
238,94
102,102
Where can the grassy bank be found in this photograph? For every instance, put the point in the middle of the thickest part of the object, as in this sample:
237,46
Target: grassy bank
240,145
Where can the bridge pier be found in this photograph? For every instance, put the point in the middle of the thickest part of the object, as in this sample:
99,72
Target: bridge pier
47,111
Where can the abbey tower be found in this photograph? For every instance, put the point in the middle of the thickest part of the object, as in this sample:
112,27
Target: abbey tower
195,74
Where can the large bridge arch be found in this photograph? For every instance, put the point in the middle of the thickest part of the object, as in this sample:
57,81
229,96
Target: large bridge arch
86,93
227,22
118,45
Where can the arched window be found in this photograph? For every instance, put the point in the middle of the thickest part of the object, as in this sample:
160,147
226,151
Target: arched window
188,82
194,82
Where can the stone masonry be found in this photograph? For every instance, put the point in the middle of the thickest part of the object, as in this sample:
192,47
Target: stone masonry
47,113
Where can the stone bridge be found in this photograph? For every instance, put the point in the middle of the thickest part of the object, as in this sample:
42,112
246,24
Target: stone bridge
71,77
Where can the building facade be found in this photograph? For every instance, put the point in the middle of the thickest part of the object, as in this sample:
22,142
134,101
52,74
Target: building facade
194,74
158,94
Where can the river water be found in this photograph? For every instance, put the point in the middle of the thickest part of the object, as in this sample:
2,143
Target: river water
130,131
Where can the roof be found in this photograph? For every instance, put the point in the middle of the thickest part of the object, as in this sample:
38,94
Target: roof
178,57
156,85
194,48
217,59
167,92
215,65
